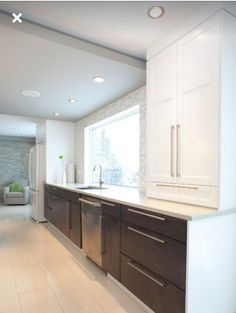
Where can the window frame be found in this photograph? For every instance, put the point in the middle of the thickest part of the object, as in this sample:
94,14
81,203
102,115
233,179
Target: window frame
88,141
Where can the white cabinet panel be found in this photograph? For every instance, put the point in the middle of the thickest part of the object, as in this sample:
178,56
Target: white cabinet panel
191,86
198,106
197,195
161,114
162,76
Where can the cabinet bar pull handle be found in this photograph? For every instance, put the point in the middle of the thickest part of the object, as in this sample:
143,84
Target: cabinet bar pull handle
147,275
103,236
146,235
68,215
110,204
177,150
146,214
177,186
95,204
172,150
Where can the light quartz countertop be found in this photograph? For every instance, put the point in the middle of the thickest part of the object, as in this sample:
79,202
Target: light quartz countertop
133,197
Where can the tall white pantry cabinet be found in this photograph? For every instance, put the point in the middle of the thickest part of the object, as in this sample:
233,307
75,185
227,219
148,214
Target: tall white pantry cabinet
191,132
191,116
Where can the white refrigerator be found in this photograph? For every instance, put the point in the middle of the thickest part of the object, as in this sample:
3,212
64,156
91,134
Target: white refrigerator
36,181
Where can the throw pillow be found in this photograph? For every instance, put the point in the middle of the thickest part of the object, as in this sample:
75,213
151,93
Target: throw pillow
16,187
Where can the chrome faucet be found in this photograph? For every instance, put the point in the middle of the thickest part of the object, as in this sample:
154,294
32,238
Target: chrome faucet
100,173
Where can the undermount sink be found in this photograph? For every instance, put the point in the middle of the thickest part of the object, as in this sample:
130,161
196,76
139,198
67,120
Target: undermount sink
85,187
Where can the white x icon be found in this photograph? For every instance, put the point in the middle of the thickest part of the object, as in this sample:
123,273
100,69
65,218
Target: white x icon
17,17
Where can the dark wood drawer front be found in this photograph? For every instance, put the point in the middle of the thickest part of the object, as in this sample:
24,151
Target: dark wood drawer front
159,295
75,223
166,225
52,190
52,201
162,255
111,245
48,213
111,209
70,195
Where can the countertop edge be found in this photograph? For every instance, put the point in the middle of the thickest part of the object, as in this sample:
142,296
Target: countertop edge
213,213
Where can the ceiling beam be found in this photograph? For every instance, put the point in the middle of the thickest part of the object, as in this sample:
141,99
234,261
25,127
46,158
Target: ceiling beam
54,35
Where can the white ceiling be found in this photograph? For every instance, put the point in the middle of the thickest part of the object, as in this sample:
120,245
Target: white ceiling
120,25
61,66
17,126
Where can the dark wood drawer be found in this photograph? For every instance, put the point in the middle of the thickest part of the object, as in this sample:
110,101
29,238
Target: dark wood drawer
111,245
52,190
70,195
52,201
162,224
48,213
161,254
160,295
111,209
75,234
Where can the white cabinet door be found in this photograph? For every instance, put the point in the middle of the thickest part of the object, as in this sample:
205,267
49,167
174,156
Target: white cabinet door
198,106
161,116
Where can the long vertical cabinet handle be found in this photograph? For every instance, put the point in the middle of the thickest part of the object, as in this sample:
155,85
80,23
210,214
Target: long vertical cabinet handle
172,150
102,235
177,150
67,215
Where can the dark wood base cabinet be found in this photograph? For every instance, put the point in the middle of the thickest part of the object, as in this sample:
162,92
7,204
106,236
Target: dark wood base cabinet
111,246
160,295
75,224
162,255
55,211
48,212
145,251
166,225
63,213
153,259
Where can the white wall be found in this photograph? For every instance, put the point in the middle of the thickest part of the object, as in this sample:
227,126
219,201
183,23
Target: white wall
136,97
59,141
57,137
211,265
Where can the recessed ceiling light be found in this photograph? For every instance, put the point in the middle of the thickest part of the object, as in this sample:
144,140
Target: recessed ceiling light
155,11
56,114
72,100
31,93
98,79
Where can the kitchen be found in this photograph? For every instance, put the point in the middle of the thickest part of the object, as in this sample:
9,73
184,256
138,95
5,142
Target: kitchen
144,185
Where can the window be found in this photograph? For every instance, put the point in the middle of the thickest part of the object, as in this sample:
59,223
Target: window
114,143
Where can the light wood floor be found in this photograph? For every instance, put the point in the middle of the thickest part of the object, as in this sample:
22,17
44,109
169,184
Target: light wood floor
40,272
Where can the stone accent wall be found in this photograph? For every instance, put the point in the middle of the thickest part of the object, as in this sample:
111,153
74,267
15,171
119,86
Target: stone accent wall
14,160
136,97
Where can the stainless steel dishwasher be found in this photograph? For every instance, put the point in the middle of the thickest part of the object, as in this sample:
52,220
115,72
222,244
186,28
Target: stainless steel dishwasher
92,229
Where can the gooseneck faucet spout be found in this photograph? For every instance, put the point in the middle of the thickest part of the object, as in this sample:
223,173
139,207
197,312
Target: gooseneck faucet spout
100,173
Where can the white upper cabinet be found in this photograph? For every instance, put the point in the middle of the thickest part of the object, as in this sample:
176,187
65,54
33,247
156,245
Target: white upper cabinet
191,116
162,116
198,106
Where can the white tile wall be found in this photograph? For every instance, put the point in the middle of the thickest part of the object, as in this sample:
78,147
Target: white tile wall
136,97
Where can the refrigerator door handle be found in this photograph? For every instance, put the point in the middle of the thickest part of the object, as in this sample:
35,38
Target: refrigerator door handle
30,169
